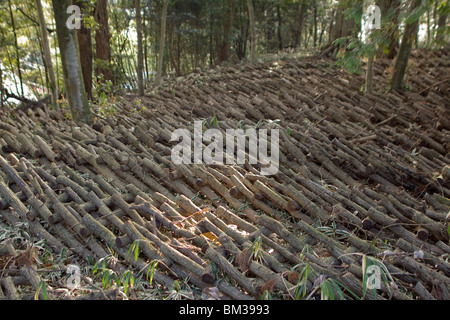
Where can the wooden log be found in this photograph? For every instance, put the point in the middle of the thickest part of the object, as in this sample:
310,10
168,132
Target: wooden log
60,209
422,292
106,212
10,289
30,273
367,223
232,218
228,268
428,275
175,175
255,267
45,148
110,239
208,275
145,245
307,205
427,257
437,229
279,229
173,254
119,201
35,227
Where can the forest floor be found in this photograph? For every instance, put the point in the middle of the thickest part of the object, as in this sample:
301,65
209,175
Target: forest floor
363,183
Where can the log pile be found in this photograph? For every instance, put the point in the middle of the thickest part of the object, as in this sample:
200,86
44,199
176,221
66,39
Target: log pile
359,176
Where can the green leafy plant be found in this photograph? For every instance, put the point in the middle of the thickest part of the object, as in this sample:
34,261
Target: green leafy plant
151,270
41,291
133,248
332,230
256,250
302,283
179,291
109,277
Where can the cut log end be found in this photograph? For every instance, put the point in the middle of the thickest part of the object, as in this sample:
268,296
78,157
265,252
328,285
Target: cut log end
234,192
208,275
293,205
422,234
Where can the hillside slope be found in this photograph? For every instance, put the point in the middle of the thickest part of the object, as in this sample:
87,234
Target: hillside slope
362,179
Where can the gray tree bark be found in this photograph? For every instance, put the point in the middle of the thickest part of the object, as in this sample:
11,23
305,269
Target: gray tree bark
102,36
402,59
162,43
140,55
70,58
251,14
46,53
16,45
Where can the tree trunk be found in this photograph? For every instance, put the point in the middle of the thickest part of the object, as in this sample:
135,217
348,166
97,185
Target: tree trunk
401,61
298,41
70,58
1,85
144,43
315,23
102,46
85,43
390,9
162,42
428,26
369,75
140,67
171,48
19,71
441,25
322,31
280,21
341,26
225,47
251,14
46,53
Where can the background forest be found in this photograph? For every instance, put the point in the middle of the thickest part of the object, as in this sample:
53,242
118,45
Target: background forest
198,34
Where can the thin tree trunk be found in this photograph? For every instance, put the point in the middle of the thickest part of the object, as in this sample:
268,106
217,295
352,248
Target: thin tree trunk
70,57
162,43
85,44
428,26
57,69
225,47
393,40
16,47
322,31
441,24
301,22
102,37
315,24
280,21
369,74
1,85
251,14
172,51
402,59
46,53
140,57
144,43
386,7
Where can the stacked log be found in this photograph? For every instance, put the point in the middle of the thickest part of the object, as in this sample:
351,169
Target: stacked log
358,176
